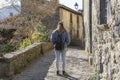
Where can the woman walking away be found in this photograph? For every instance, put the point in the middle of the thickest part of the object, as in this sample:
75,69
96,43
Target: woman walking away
60,39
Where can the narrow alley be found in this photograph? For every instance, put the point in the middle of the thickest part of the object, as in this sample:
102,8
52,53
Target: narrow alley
43,68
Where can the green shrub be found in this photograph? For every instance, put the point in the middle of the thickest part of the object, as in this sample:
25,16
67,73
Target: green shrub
39,35
8,48
26,42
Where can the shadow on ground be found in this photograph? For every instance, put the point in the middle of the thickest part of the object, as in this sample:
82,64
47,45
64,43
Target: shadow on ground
67,76
77,47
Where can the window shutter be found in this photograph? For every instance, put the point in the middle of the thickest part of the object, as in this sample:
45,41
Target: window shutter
103,11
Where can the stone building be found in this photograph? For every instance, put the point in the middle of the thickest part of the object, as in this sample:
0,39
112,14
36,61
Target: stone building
73,23
102,33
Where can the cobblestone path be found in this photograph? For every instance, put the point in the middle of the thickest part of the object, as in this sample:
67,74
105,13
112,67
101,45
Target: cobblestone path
44,68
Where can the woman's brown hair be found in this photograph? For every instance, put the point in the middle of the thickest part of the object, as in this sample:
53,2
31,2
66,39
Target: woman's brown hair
61,25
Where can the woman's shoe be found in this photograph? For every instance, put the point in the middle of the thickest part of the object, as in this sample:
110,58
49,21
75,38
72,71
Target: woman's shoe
64,72
57,73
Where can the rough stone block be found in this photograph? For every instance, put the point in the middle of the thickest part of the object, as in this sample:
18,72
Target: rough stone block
3,69
46,46
91,59
117,19
13,62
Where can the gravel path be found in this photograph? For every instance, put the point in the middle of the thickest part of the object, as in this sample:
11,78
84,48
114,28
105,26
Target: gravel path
44,68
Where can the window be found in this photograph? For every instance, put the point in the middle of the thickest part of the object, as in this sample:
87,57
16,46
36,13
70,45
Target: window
103,11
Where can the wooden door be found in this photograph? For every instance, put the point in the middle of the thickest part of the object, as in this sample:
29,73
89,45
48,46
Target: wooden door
76,30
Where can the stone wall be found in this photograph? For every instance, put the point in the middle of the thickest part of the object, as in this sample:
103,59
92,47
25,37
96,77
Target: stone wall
106,40
86,25
13,62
